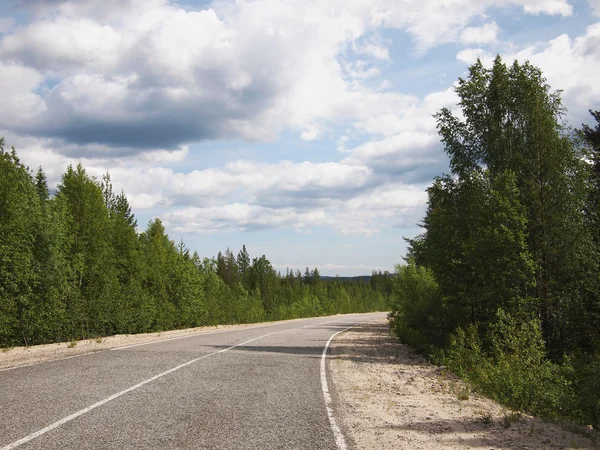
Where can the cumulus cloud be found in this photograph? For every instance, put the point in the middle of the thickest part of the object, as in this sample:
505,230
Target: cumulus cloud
570,64
146,75
399,205
470,55
126,86
484,34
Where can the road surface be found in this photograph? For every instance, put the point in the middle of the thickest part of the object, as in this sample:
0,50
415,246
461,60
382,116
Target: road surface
246,388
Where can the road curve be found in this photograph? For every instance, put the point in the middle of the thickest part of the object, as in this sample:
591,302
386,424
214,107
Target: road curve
245,388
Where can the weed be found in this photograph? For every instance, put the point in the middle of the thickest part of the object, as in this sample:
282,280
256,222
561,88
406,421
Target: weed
486,419
391,404
6,349
72,344
98,340
510,418
463,393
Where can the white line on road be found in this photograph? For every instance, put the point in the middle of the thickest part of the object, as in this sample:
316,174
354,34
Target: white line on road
202,333
340,442
118,394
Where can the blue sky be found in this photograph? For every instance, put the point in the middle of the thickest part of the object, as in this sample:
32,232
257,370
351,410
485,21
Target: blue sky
301,129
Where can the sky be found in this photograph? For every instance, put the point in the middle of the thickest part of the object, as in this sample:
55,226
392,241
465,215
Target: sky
302,129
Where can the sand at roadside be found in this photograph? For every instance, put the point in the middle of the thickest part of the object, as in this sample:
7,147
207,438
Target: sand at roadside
24,356
389,397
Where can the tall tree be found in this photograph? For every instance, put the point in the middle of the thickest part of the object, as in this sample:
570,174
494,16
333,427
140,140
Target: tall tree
19,207
91,255
513,125
243,264
590,314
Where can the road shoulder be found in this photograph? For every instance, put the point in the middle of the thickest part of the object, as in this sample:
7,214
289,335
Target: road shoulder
388,396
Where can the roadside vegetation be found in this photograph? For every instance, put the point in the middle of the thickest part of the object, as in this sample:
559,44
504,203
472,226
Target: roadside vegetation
502,286
73,266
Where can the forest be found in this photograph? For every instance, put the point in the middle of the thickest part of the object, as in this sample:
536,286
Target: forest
73,266
502,286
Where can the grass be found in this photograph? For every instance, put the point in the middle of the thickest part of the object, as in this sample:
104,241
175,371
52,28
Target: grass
462,391
510,418
486,419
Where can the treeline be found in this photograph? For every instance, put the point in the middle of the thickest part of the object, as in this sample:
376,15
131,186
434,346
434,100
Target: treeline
72,266
503,285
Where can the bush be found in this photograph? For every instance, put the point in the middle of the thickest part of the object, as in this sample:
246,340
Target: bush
417,312
587,385
515,371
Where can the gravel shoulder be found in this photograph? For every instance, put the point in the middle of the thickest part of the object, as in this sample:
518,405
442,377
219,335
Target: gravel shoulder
388,396
13,357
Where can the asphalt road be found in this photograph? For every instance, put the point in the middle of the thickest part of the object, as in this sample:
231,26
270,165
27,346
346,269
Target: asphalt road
245,388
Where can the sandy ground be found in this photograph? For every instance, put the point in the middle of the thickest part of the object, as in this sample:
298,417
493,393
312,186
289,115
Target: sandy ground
37,354
390,397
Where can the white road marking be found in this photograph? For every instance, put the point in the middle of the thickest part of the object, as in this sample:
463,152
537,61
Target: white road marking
340,442
202,333
118,394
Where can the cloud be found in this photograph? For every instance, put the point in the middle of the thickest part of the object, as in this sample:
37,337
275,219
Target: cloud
365,214
484,34
595,6
6,24
571,65
125,87
553,7
17,84
144,75
375,51
470,55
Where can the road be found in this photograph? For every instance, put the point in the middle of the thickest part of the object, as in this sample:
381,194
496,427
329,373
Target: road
258,387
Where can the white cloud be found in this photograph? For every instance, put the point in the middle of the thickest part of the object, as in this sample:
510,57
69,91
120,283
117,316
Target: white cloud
147,75
130,85
375,51
71,43
553,7
484,34
571,65
363,215
17,84
595,5
470,55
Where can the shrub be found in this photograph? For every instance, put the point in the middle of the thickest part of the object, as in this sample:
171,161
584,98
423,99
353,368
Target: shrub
515,371
417,310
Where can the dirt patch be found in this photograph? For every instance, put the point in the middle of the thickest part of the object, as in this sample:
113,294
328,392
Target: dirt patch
388,396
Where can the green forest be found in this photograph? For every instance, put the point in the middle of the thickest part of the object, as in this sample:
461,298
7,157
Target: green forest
73,266
502,286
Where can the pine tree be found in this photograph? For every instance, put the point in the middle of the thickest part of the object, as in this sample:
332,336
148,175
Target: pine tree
243,264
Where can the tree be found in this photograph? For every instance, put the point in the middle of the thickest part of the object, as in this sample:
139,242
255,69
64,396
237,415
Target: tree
19,207
93,278
307,277
243,264
590,314
512,124
41,185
